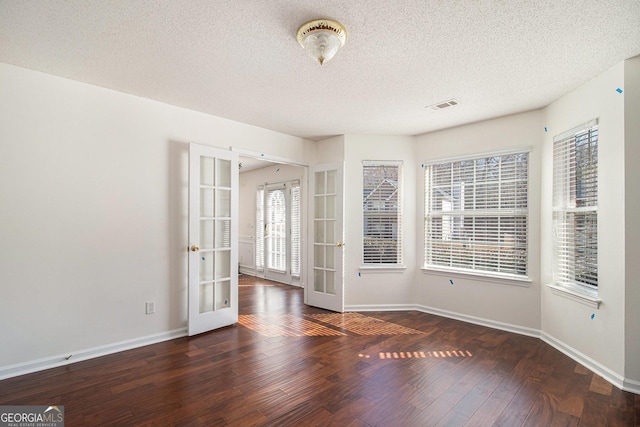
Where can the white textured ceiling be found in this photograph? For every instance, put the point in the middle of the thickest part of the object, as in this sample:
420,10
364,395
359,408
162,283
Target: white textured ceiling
239,59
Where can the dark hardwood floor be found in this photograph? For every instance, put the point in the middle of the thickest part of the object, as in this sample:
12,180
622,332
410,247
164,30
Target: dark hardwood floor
289,364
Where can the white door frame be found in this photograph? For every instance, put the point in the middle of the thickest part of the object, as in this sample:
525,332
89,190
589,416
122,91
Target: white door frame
303,208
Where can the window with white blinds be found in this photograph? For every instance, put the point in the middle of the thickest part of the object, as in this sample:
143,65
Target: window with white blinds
382,213
295,228
276,228
259,238
477,215
575,207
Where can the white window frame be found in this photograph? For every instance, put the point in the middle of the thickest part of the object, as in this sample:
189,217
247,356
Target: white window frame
391,210
277,222
296,228
568,205
469,253
259,234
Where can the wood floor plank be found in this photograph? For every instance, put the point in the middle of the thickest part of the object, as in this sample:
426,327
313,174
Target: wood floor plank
475,397
595,411
600,385
428,392
453,419
438,408
390,405
541,413
323,369
495,404
520,405
572,402
396,415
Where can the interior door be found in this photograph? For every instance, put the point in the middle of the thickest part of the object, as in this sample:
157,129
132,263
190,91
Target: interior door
213,238
277,232
325,284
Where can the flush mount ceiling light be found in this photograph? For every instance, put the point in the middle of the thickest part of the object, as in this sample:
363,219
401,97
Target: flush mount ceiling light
322,38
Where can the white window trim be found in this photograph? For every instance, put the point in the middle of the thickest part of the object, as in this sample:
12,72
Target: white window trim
483,275
579,294
382,268
296,225
506,152
584,294
502,279
259,231
390,268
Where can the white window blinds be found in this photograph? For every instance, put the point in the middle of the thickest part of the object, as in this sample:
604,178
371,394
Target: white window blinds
259,237
382,213
476,214
276,228
575,207
295,228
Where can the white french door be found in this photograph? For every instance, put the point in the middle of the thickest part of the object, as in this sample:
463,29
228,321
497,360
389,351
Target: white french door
213,238
325,284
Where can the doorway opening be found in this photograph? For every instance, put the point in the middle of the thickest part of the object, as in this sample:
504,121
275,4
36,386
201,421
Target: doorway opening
272,220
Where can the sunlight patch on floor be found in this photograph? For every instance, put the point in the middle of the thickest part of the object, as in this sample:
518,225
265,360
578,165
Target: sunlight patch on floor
418,354
313,325
360,324
285,325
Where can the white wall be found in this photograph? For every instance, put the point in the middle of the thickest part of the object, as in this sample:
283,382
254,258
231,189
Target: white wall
366,287
495,300
93,211
632,218
602,337
330,150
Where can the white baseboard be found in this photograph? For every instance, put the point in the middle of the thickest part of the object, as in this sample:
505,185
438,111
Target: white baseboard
85,354
448,314
494,324
247,269
596,367
631,386
380,307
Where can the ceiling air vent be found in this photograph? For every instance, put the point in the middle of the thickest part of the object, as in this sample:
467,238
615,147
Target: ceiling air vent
442,105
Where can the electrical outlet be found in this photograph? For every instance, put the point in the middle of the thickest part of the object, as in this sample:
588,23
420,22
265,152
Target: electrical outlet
150,307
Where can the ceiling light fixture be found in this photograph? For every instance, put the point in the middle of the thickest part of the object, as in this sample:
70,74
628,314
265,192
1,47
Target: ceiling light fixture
322,38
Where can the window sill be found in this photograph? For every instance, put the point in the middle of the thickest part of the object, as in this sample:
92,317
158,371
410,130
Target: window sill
483,277
583,296
382,268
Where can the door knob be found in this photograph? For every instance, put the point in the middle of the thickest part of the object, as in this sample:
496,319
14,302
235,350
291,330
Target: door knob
195,248
340,244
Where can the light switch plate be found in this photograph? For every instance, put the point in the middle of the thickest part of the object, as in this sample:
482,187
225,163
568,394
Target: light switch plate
150,307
